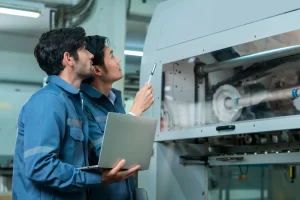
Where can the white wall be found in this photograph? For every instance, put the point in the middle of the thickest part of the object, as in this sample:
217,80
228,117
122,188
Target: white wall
17,65
12,98
17,59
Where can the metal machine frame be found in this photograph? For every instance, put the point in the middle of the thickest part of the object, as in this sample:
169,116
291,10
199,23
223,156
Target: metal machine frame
182,30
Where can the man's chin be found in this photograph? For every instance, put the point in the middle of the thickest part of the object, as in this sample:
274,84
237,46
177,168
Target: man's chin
119,78
88,75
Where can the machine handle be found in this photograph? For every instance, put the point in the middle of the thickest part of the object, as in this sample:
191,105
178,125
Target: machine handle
225,128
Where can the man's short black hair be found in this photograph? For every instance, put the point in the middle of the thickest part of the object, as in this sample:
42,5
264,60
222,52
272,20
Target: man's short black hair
52,46
95,44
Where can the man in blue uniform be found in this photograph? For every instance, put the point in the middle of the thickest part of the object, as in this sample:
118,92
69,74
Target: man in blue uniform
52,138
99,98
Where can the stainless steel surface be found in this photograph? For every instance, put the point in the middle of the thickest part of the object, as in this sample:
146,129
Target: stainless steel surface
249,59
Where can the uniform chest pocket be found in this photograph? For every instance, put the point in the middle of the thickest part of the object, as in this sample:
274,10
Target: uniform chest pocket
76,134
74,153
75,129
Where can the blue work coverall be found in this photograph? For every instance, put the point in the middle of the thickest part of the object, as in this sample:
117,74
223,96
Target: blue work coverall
97,106
52,141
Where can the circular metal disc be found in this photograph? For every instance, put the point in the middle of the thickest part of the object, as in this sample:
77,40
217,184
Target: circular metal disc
226,114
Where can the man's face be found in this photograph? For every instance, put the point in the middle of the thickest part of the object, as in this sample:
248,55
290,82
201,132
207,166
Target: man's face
113,70
84,65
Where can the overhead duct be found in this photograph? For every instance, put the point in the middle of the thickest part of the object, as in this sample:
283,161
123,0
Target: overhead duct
70,16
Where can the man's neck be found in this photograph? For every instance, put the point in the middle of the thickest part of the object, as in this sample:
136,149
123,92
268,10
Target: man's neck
71,79
101,86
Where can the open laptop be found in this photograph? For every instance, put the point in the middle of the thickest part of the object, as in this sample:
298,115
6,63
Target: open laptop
126,137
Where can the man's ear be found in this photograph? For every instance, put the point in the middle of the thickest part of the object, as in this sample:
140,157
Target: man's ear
68,60
98,70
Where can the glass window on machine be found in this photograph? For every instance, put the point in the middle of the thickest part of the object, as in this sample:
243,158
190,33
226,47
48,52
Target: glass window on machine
255,80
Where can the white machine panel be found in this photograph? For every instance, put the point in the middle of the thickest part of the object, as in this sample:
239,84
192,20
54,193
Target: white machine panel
228,82
203,47
196,19
176,181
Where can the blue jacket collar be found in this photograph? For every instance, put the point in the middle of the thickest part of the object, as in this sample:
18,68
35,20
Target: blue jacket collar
94,93
90,90
62,83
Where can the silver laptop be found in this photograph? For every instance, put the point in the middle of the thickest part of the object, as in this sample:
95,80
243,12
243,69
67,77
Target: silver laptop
126,137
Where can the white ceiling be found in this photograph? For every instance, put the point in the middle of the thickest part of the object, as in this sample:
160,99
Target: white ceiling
136,30
30,26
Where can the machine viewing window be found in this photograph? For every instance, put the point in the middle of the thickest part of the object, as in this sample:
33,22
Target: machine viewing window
251,81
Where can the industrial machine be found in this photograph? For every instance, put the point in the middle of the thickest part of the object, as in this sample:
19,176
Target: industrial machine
226,90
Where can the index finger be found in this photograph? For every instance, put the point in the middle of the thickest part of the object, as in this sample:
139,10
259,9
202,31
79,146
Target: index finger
130,171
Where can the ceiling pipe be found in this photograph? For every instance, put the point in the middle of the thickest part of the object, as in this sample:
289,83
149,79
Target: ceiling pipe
82,14
70,16
65,13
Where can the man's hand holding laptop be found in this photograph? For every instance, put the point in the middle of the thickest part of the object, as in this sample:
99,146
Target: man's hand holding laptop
116,174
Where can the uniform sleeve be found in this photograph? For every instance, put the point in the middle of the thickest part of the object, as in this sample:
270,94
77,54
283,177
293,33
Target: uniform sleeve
44,120
95,131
